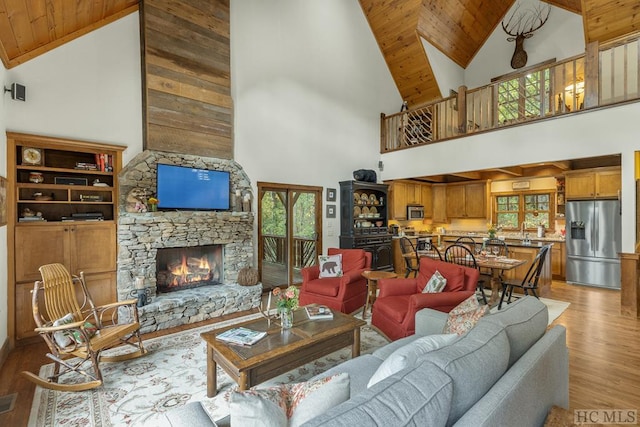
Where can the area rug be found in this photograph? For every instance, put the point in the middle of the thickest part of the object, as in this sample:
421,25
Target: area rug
139,392
555,307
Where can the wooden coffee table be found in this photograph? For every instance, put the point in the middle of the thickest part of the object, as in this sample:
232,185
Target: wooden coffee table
281,350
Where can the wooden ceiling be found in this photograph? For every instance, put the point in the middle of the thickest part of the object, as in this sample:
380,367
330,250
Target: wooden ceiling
29,28
458,28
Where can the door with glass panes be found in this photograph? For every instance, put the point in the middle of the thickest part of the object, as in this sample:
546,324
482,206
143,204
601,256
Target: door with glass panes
289,232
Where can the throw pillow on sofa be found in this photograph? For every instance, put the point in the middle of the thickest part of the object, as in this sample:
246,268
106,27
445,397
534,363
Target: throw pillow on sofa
288,404
436,284
407,356
464,316
330,265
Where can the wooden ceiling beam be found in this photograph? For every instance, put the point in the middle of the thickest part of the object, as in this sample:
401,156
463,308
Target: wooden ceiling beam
515,170
468,175
564,165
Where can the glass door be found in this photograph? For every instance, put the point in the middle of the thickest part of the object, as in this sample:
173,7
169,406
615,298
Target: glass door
289,232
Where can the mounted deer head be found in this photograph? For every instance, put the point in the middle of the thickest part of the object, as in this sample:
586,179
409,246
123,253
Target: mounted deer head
520,25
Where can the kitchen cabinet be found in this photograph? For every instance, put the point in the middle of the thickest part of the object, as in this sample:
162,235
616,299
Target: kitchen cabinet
414,194
466,200
363,222
557,260
398,194
427,200
600,183
439,202
403,193
65,173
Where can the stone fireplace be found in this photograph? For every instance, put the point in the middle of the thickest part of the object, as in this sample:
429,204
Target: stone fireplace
141,236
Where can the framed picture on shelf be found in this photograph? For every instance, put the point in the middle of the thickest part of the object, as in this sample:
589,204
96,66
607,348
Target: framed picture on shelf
331,211
3,201
331,194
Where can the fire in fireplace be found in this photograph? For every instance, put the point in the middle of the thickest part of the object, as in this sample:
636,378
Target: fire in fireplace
183,268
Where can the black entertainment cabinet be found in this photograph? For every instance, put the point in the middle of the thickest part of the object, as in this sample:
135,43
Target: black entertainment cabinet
364,221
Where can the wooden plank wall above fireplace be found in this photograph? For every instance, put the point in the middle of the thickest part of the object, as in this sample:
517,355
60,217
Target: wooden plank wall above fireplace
186,77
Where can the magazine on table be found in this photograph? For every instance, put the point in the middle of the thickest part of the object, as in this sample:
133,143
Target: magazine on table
241,336
318,312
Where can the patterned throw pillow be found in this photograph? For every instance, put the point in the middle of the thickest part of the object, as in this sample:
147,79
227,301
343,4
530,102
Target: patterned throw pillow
435,284
65,338
330,265
464,316
288,404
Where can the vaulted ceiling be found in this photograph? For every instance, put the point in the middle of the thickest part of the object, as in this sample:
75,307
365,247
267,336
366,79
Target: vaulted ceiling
458,28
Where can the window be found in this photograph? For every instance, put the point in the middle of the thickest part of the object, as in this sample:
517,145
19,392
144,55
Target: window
534,209
523,97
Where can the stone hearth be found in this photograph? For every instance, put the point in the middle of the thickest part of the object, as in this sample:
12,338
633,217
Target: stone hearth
140,235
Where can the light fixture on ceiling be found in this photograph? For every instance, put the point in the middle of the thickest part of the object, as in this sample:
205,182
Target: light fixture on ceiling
18,91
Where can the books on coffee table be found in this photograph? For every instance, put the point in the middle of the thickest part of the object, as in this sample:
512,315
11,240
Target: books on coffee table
316,312
241,336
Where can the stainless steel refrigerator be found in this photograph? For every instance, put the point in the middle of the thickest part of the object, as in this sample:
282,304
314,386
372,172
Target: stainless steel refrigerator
593,243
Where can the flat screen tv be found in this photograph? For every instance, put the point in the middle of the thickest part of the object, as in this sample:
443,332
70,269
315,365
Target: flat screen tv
182,187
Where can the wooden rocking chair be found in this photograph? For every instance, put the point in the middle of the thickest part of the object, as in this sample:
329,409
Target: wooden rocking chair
77,331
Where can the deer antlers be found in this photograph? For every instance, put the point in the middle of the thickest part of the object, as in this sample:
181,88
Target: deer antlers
520,25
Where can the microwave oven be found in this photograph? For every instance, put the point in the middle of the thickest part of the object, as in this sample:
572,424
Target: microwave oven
415,212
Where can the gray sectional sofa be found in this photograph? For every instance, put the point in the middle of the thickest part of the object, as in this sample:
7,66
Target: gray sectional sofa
508,370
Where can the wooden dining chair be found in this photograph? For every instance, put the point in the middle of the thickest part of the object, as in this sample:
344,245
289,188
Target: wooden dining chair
77,332
430,250
461,254
529,283
503,250
467,241
410,256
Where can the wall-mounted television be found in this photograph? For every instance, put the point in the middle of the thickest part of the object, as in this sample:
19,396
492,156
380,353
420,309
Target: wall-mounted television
180,187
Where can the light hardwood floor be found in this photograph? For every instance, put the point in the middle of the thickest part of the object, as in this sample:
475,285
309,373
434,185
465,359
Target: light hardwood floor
604,355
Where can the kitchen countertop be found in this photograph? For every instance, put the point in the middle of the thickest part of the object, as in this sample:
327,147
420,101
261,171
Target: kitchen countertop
512,239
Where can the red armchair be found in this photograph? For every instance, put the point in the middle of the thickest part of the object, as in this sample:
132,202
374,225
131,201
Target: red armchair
395,308
346,293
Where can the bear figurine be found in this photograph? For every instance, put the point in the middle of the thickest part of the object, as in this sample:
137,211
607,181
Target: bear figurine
366,175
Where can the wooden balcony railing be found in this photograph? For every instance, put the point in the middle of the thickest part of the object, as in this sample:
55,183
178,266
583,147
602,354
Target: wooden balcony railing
304,250
602,76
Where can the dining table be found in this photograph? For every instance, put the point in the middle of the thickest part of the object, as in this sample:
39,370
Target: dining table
496,264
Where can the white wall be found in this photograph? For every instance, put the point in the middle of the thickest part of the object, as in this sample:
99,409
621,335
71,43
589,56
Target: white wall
309,84
560,37
89,88
448,74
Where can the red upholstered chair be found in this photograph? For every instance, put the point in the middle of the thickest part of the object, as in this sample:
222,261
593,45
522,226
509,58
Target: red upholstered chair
399,299
347,293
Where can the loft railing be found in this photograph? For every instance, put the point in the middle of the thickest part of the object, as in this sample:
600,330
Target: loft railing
602,76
